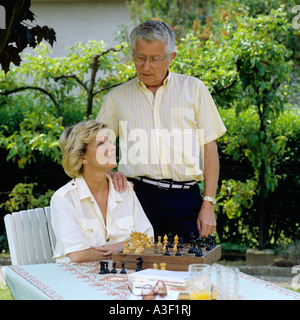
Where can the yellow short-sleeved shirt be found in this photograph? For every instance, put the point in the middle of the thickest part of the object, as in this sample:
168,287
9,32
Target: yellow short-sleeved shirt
162,136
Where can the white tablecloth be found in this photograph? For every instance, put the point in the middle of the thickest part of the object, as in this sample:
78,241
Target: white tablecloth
83,282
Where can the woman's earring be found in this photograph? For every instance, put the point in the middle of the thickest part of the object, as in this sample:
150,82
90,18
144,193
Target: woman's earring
85,162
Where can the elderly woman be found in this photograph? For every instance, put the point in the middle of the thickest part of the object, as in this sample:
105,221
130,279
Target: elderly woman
91,220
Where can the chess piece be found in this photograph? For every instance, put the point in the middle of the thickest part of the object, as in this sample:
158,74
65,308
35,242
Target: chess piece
152,242
210,243
199,252
139,264
163,266
102,267
106,267
202,242
114,270
170,240
167,253
165,242
180,244
178,253
159,244
155,266
192,248
123,270
175,243
126,249
148,244
214,241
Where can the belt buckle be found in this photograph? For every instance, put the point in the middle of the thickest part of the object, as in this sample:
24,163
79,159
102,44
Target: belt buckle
169,181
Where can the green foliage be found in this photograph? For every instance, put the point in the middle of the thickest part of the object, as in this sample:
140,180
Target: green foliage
240,49
235,195
39,132
22,198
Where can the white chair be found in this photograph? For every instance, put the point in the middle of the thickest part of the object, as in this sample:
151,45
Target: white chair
30,236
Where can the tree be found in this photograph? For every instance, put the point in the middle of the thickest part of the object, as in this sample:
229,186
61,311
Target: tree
18,35
264,66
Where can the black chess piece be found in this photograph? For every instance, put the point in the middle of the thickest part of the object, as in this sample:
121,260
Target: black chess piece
123,270
180,244
114,270
102,267
214,241
139,264
170,240
199,252
167,253
192,248
178,253
202,244
210,243
106,267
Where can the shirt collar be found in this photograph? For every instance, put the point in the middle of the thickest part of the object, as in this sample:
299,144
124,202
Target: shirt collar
85,192
166,81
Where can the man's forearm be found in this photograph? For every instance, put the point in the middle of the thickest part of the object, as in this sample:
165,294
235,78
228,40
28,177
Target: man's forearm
211,169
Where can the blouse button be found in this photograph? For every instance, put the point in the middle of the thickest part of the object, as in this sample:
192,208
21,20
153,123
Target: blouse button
107,240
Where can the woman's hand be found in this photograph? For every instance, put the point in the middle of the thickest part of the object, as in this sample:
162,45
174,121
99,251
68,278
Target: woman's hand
109,249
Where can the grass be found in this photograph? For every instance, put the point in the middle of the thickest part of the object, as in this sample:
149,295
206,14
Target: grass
5,293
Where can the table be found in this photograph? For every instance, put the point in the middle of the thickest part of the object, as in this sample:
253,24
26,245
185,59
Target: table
82,281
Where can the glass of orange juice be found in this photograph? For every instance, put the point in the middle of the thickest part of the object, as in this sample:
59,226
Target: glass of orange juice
199,281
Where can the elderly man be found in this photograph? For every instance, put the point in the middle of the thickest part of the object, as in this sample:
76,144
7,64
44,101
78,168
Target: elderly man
167,122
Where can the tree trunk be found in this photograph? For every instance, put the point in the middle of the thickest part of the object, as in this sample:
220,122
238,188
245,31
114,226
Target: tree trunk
261,206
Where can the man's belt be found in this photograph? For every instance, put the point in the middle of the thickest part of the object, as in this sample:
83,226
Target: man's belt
167,184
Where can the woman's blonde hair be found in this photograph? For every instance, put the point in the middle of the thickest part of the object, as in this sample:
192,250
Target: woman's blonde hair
73,142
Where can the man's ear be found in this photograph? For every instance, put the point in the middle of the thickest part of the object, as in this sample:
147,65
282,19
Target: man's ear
172,56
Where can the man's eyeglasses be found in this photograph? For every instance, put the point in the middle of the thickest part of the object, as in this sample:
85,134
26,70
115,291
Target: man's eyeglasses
140,59
148,292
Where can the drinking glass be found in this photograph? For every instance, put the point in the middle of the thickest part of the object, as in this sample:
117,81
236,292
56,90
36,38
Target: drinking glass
228,283
199,281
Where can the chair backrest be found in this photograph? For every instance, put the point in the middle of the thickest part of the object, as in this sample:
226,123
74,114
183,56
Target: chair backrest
29,235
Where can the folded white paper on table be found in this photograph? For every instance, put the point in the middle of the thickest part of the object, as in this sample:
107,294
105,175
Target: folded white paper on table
174,278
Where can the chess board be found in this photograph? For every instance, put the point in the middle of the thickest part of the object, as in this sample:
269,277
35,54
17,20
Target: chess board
174,263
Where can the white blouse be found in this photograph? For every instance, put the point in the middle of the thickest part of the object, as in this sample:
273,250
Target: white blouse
78,222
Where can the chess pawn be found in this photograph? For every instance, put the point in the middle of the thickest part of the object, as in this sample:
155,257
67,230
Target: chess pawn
123,270
148,244
126,250
114,270
163,266
152,242
159,244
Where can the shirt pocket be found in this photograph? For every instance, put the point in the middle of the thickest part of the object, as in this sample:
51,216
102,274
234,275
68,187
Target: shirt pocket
125,223
90,228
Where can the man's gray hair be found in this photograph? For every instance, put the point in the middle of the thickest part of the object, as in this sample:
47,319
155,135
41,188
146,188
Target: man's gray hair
152,30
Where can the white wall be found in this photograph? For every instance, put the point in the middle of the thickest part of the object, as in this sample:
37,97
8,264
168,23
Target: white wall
80,21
